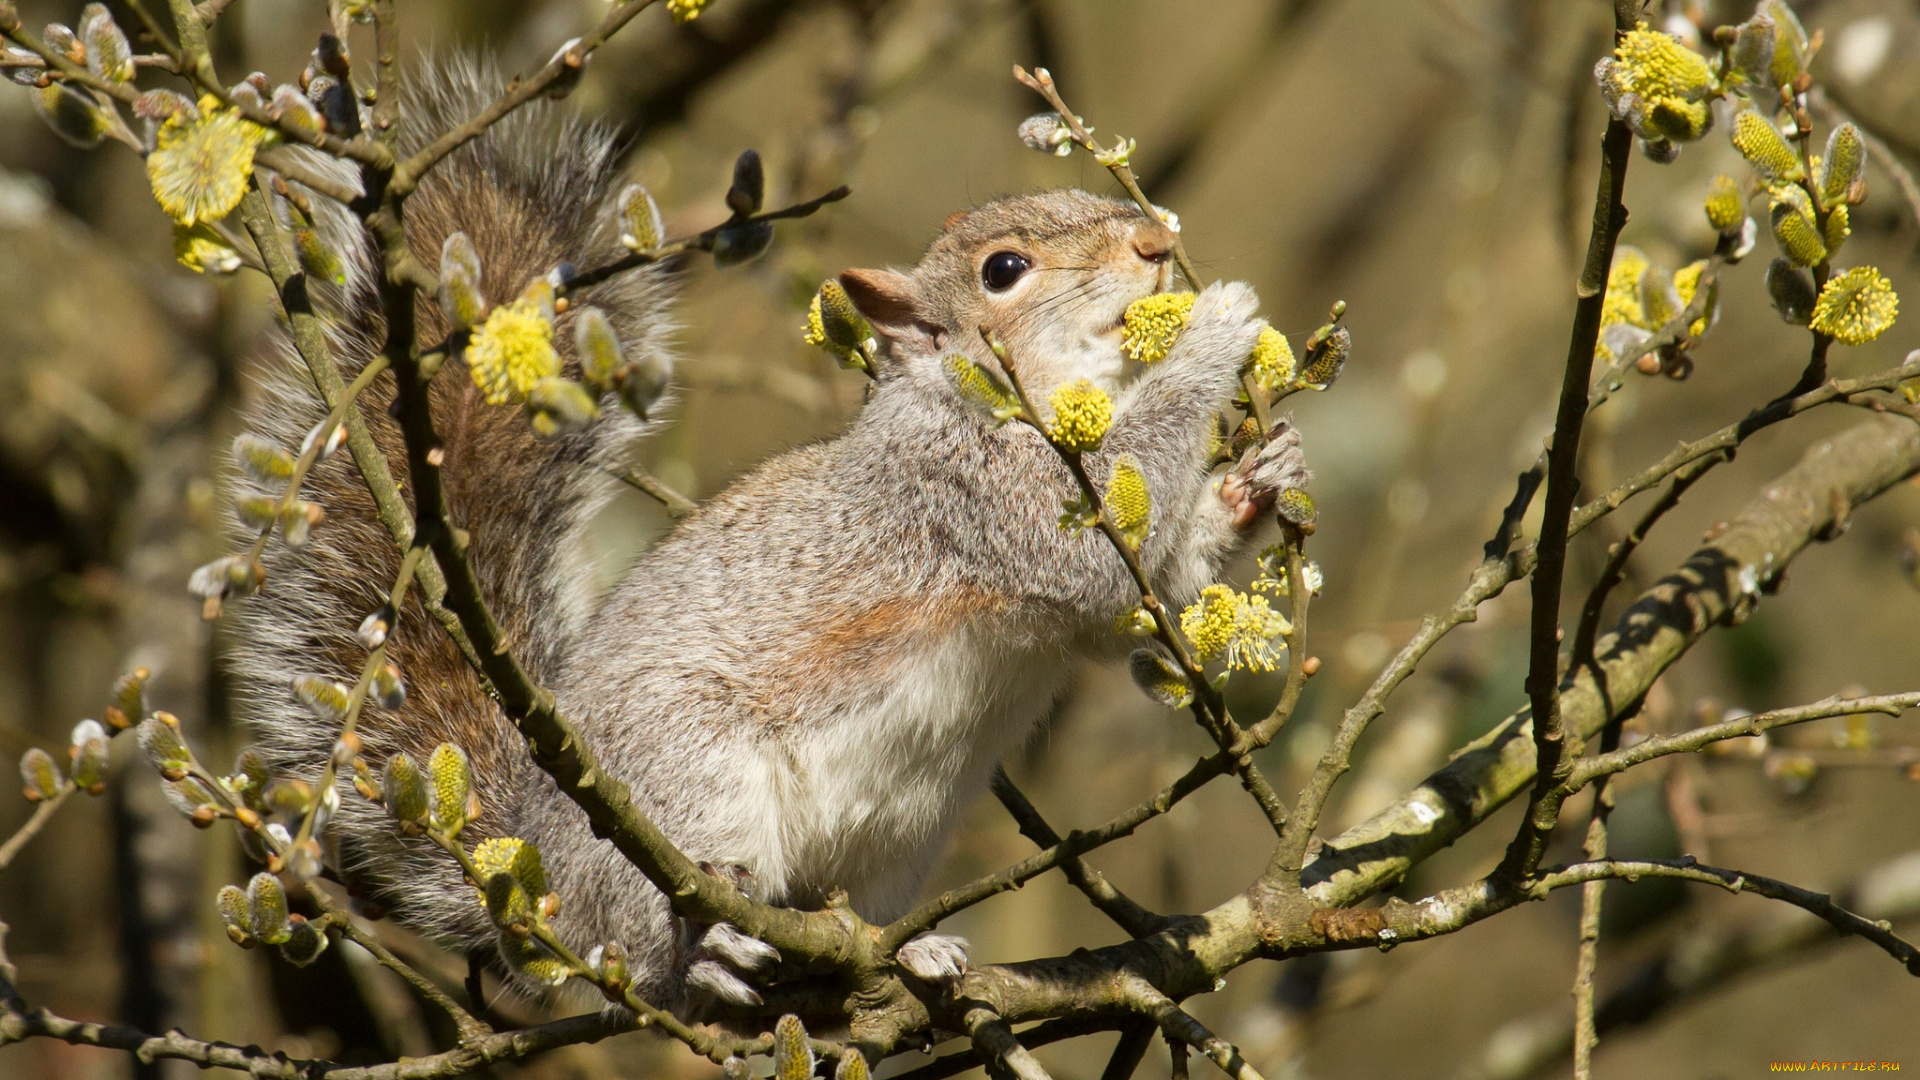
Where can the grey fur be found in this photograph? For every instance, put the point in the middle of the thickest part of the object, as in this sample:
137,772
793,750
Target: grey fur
810,676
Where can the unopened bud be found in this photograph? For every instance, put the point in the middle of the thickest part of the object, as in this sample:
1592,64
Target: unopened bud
164,746
451,782
267,909
640,227
749,184
41,775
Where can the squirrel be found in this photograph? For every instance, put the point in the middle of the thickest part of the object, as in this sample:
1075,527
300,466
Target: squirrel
805,680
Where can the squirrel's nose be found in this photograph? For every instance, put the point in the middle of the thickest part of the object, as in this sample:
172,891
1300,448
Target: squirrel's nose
1153,241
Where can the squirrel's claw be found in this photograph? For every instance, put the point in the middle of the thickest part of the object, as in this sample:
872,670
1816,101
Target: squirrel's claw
935,957
714,977
721,955
728,942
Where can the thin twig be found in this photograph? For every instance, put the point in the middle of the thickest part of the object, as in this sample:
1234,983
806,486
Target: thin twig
677,505
32,826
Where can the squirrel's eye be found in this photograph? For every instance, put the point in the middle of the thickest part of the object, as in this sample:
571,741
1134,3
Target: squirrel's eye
1003,268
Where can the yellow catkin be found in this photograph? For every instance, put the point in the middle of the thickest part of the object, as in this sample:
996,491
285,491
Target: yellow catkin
1726,208
1272,360
1128,500
1082,413
1856,306
200,165
1152,323
512,351
1622,304
1232,626
1763,146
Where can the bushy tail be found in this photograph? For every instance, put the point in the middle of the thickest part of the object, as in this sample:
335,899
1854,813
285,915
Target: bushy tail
532,193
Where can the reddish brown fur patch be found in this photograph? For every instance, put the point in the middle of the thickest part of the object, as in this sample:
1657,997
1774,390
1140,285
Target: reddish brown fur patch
871,637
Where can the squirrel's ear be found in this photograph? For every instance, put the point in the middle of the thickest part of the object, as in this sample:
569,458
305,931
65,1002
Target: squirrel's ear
891,302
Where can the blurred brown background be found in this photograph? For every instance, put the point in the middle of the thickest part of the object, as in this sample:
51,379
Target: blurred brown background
1429,161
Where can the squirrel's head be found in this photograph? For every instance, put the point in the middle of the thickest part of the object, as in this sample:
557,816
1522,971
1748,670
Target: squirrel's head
1050,274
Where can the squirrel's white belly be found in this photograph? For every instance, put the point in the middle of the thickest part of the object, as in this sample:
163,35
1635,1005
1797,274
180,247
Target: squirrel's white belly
864,799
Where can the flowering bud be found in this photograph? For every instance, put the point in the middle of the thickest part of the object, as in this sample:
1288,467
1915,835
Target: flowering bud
982,387
1082,413
108,54
87,751
257,511
792,1054
160,739
1794,228
1048,133
749,184
1789,42
389,689
834,324
1139,622
1726,207
560,407
1326,356
598,346
41,775
1842,164
450,781
511,879
1855,306
292,108
326,699
1837,229
404,789
531,960
1128,500
236,913
737,244
203,250
129,699
1163,682
262,461
267,909
640,227
853,1066
460,296
1296,507
305,942
1766,149
317,259
375,627
1151,324
1272,361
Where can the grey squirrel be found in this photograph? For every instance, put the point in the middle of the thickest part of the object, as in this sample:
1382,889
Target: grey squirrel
807,679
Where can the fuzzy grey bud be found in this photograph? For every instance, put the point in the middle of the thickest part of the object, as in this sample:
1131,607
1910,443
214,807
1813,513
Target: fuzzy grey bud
1048,133
161,741
108,54
87,751
40,775
1159,679
267,909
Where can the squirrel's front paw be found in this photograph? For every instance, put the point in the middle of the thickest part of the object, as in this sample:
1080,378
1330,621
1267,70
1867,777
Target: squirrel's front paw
935,957
719,958
1264,473
1223,327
